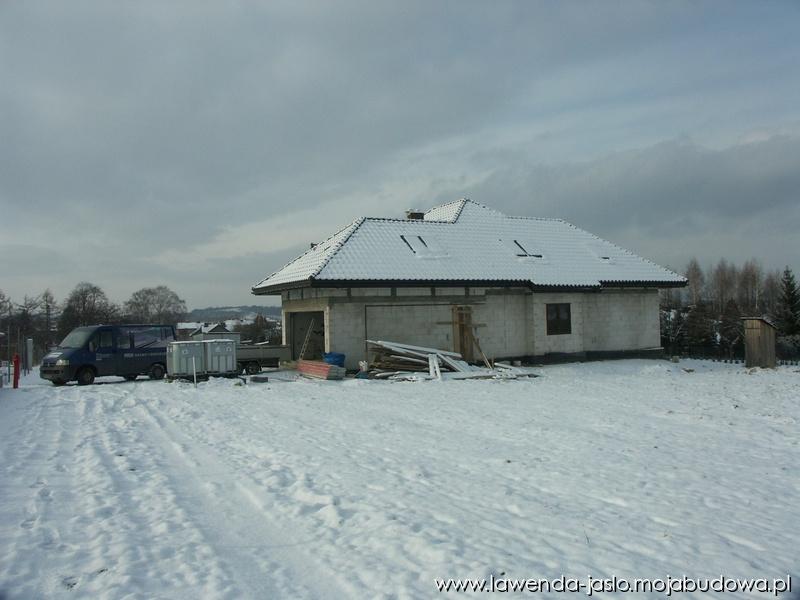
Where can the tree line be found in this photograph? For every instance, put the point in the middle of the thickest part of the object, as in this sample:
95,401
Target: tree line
47,321
705,317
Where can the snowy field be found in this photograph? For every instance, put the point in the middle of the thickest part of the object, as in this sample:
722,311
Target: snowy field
362,489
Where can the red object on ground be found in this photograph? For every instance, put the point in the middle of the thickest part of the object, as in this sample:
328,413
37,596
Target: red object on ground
320,370
16,371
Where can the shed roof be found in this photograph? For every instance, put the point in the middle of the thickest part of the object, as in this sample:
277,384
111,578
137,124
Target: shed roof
466,242
763,319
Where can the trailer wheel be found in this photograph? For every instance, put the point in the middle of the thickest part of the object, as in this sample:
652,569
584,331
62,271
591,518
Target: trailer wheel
157,371
86,376
253,368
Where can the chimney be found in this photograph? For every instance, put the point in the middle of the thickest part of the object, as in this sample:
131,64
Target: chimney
312,245
414,215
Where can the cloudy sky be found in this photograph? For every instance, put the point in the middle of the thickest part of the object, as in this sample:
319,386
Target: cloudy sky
203,145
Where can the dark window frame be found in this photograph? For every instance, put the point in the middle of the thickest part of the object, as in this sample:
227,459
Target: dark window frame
559,318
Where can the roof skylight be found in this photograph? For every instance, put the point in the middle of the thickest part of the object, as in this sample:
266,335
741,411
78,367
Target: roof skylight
521,251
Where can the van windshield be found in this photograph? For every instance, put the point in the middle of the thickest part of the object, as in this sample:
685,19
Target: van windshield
77,338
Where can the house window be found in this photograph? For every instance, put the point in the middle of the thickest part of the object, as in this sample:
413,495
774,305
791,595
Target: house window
522,251
559,320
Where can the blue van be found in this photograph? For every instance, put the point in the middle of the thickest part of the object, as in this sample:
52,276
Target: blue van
99,350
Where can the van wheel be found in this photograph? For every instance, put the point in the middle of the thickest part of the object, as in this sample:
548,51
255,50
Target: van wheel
86,376
59,382
157,372
253,368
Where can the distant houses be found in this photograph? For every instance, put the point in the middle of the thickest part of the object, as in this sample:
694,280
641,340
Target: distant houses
206,331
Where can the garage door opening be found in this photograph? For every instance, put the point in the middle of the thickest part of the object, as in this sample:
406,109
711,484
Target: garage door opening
307,335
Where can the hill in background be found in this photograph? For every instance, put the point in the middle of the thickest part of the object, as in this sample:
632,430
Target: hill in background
224,313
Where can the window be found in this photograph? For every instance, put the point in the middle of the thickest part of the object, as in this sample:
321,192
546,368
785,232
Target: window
147,337
424,247
101,340
601,251
124,340
410,247
523,251
559,321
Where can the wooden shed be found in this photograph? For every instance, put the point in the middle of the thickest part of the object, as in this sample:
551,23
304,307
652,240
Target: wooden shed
759,342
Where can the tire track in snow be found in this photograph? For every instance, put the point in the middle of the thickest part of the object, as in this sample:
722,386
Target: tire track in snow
38,482
264,558
134,514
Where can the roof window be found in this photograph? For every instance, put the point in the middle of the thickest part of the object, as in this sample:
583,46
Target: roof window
521,251
424,247
410,247
601,251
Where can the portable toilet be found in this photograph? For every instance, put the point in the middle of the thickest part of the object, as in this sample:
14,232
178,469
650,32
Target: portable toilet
220,357
759,342
184,359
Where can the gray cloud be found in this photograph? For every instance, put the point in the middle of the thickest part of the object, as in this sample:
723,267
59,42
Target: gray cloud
137,132
738,201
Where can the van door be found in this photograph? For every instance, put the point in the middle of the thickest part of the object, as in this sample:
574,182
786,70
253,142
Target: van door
126,364
101,352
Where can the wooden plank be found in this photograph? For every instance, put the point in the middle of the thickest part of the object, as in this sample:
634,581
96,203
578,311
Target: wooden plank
456,365
420,349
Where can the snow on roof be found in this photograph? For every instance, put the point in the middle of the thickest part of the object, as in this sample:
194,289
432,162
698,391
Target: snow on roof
210,328
465,241
307,265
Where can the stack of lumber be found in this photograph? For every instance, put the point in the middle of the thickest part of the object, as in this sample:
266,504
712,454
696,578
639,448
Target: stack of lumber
396,361
393,357
320,370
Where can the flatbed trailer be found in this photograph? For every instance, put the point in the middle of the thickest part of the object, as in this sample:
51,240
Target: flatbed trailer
252,358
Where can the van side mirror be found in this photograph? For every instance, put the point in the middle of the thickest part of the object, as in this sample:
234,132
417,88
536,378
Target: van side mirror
92,346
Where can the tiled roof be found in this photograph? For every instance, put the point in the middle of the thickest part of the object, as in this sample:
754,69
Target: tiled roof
465,241
309,263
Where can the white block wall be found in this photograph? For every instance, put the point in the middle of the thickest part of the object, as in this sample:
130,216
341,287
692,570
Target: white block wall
621,320
546,344
510,323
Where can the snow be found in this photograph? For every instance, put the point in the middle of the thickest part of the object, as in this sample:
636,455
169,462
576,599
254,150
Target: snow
466,241
365,489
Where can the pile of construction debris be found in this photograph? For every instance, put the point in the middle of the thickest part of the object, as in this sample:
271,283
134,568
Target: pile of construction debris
392,360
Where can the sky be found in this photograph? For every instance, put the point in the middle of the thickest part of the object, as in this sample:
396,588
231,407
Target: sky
202,145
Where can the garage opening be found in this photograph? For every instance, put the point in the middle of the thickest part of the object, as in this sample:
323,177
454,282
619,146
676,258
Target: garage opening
307,335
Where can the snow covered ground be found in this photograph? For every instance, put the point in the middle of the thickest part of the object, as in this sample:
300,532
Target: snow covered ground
362,489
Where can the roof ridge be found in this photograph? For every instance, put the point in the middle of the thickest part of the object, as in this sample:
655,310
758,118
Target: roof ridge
461,201
308,251
355,225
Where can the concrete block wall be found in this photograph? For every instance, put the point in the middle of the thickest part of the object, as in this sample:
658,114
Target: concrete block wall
504,325
621,320
563,343
346,332
514,322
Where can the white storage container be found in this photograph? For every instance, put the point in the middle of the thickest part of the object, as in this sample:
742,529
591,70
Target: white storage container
220,356
179,359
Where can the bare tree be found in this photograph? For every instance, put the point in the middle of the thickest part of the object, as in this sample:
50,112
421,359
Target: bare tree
750,283
87,304
47,307
155,305
771,292
697,280
722,284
